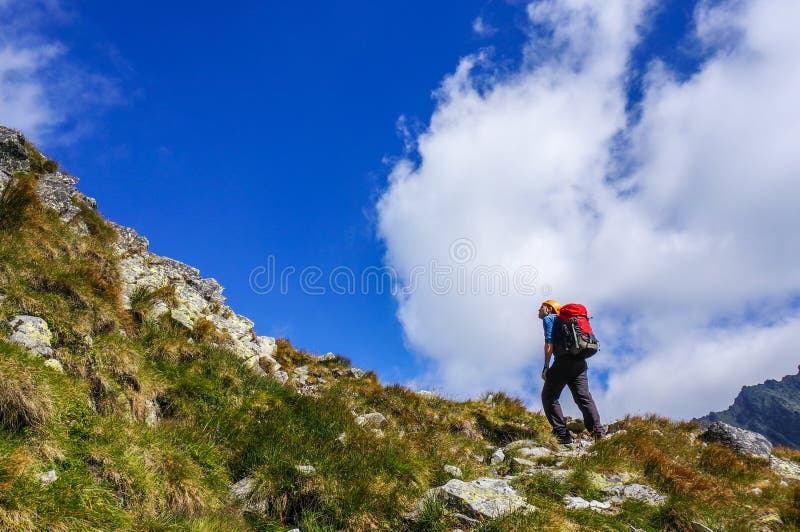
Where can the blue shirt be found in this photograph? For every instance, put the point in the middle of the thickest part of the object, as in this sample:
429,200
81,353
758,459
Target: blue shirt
548,322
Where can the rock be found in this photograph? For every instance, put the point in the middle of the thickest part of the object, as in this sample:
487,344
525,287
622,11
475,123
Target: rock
427,394
497,457
327,357
373,419
700,527
54,364
575,503
32,333
306,469
740,440
606,480
242,489
453,471
342,438
47,477
13,155
356,373
640,492
377,432
151,416
783,484
656,432
522,462
579,503
300,375
518,444
755,491
785,468
534,452
294,530
481,498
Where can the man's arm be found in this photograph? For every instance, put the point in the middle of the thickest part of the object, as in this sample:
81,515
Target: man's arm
548,353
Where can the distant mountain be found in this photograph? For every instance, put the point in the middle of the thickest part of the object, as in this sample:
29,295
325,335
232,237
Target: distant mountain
771,408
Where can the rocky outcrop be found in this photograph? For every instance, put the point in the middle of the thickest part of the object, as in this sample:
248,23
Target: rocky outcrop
771,408
33,334
13,155
750,444
742,441
192,298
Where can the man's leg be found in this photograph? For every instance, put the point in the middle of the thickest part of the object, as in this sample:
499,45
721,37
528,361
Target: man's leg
551,391
579,386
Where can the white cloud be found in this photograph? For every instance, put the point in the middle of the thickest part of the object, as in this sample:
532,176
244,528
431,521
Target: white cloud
482,28
705,231
41,87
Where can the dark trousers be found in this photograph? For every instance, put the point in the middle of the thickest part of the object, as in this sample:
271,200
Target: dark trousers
568,371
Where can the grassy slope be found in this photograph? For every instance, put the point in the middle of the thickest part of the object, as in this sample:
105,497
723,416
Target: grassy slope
221,422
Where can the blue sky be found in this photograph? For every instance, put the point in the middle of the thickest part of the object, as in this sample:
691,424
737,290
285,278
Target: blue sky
274,129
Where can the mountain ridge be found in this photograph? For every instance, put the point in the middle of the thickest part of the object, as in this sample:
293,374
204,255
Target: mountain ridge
771,408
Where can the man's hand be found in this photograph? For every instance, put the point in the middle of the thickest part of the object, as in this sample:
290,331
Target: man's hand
544,373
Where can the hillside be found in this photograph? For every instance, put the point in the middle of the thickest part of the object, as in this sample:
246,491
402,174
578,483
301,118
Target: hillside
771,408
133,398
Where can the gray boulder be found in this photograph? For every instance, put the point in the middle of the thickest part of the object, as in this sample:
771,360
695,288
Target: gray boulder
740,440
639,492
373,419
479,499
32,333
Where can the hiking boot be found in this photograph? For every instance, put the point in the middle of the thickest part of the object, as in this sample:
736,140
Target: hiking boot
564,439
598,433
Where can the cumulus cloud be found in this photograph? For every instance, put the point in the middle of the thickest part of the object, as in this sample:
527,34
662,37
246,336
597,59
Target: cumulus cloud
676,242
41,87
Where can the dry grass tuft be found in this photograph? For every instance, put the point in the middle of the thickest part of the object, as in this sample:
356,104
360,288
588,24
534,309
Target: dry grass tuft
23,403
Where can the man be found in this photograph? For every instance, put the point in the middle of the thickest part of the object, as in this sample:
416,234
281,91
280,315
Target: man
567,370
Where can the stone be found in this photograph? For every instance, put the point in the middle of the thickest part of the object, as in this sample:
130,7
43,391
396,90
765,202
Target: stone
342,438
785,468
606,480
373,419
453,471
518,444
700,527
54,364
427,394
48,477
771,519
497,457
151,416
242,489
755,491
356,373
300,375
639,492
32,333
327,357
306,469
534,452
740,440
522,462
479,499
579,503
656,432
13,155
378,433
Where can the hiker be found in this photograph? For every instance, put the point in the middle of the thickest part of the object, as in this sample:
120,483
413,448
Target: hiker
567,370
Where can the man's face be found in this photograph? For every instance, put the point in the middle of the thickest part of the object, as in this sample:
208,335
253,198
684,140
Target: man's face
544,310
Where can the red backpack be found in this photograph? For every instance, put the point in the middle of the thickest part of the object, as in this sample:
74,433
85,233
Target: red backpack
577,338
